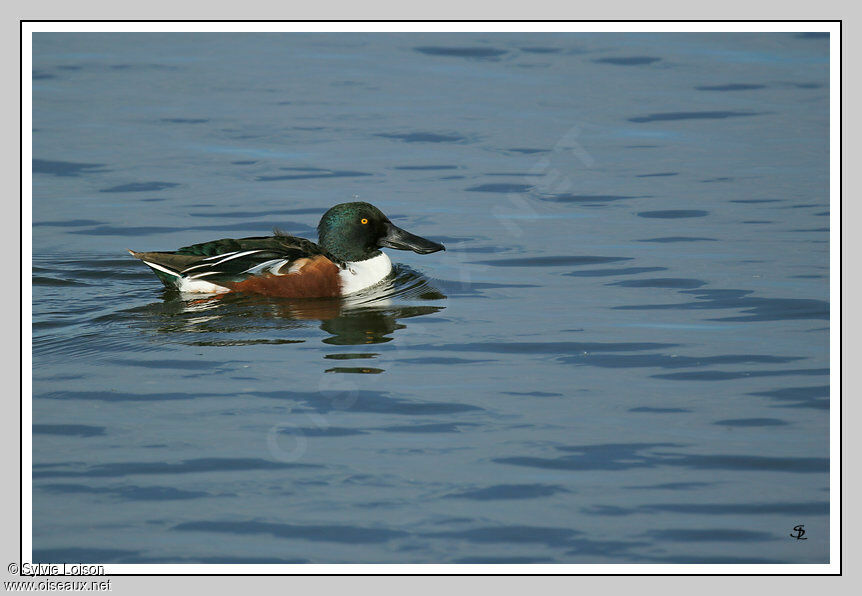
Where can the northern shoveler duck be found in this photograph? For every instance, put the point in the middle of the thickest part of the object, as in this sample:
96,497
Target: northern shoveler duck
347,258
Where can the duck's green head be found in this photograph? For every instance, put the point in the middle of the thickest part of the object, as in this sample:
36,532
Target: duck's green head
357,231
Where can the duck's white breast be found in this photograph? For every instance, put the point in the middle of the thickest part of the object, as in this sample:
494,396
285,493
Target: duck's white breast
359,275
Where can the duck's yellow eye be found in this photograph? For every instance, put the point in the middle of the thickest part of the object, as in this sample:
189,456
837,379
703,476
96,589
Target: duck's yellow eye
363,220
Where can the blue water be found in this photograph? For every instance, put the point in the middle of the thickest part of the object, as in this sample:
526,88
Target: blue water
622,356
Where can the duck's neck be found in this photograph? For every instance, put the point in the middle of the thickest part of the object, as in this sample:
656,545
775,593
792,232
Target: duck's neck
345,248
352,256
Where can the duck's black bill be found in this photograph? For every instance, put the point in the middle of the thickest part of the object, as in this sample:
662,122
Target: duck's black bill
403,240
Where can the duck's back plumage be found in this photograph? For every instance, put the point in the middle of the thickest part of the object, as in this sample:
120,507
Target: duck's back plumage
279,265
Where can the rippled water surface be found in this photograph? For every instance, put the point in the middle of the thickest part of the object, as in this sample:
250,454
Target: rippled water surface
622,356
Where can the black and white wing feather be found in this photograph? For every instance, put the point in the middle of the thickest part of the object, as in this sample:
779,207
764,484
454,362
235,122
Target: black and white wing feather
207,266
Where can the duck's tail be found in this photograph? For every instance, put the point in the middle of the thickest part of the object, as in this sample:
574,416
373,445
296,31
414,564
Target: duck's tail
164,272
